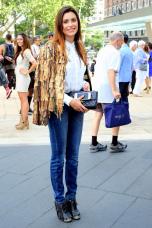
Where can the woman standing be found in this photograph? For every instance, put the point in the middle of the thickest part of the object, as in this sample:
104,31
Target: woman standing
60,70
141,64
25,63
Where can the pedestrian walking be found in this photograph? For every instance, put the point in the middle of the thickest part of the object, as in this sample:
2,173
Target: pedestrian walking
141,64
126,69
7,51
92,67
3,79
107,81
60,71
133,46
4,82
25,64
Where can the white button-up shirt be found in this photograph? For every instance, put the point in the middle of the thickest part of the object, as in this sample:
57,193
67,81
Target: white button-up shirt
35,50
74,74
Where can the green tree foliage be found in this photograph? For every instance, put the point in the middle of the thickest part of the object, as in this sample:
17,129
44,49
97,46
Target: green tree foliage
25,26
43,11
94,40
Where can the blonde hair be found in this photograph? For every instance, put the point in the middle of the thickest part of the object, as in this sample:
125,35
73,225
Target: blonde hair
141,43
133,43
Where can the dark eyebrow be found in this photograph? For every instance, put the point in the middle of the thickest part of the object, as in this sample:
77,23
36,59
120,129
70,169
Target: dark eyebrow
73,18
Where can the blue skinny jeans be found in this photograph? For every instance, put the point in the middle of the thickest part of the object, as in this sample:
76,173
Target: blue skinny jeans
65,137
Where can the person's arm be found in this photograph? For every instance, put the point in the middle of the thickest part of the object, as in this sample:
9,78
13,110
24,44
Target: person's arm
114,65
140,57
67,99
74,103
77,105
33,66
31,59
112,82
1,53
122,55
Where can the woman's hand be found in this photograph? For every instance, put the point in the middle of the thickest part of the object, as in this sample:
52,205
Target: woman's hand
77,105
23,71
86,86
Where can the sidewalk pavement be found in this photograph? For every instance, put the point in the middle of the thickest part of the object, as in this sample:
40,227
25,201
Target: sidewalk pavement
114,190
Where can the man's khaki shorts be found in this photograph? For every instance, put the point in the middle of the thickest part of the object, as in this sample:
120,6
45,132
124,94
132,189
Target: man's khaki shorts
99,108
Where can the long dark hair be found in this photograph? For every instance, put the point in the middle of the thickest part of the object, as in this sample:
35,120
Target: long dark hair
26,45
59,35
146,48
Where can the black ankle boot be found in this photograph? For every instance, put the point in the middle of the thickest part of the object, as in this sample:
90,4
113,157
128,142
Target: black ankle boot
72,207
62,212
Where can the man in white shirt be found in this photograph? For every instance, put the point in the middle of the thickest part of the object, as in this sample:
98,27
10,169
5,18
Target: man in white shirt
106,82
36,47
133,47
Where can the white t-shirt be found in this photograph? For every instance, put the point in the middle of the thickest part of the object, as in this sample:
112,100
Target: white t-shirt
108,58
35,50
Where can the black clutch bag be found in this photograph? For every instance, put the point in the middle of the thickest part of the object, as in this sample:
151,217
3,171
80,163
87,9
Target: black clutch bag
89,100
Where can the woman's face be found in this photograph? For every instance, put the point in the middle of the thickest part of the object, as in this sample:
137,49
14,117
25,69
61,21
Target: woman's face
70,25
19,40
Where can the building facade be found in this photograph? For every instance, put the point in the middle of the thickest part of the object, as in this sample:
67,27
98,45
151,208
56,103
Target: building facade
114,8
98,14
118,7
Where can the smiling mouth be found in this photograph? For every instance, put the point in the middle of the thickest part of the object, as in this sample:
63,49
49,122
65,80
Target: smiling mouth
71,30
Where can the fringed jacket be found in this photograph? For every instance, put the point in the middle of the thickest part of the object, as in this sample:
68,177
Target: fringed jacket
49,84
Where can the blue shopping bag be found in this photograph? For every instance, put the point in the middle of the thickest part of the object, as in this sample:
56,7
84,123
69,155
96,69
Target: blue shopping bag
117,114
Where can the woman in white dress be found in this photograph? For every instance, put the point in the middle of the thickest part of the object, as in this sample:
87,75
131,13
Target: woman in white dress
25,63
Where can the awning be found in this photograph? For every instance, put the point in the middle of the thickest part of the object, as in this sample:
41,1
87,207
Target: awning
134,20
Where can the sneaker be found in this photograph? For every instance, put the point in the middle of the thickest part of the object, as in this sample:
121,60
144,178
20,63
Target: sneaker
118,148
63,212
97,148
72,207
8,92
